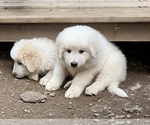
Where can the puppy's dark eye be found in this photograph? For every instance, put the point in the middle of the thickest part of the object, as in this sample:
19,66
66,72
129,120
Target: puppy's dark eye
19,63
69,51
81,51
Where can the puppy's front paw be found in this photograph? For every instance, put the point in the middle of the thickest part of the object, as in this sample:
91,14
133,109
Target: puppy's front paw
33,76
52,86
73,92
43,81
91,90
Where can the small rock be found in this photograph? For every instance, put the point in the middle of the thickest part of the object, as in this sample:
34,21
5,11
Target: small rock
96,120
50,114
135,109
129,116
100,100
128,109
12,94
96,114
52,94
111,115
27,83
105,108
136,87
147,116
70,103
70,107
33,97
109,108
42,101
27,111
120,116
16,79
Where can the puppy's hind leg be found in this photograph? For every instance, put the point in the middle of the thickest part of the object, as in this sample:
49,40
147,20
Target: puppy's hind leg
99,85
112,73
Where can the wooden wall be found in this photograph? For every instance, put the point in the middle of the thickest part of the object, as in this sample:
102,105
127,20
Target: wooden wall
118,20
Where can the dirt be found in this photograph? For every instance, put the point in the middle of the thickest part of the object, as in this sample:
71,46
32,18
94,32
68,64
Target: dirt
102,106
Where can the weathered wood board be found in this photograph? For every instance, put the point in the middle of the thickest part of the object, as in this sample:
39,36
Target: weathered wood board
118,20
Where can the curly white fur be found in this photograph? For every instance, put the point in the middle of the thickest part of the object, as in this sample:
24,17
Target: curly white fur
33,57
86,55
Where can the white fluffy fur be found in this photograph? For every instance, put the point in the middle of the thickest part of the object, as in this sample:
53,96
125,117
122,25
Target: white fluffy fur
33,57
96,59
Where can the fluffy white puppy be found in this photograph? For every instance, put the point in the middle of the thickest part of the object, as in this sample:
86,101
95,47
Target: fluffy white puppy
86,55
33,57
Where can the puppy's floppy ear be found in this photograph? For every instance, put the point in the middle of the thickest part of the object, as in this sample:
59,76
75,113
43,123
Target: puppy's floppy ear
61,50
93,49
31,61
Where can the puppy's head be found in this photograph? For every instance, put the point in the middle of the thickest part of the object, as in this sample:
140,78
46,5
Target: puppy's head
77,45
25,58
75,57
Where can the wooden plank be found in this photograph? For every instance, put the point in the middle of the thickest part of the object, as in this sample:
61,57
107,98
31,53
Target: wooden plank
112,31
103,15
65,1
74,11
75,5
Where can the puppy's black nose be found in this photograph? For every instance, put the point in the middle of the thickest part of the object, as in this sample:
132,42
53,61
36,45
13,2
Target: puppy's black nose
74,64
14,74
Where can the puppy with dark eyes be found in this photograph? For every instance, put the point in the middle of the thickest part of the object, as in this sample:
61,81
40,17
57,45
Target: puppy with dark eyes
93,62
33,57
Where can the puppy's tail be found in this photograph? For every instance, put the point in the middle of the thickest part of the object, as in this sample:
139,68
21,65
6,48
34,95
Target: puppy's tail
115,90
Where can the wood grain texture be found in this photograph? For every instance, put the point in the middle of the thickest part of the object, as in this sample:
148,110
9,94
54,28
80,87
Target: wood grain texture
74,11
105,15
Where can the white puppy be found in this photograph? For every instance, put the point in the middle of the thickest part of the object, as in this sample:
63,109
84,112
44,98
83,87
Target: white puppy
33,57
86,55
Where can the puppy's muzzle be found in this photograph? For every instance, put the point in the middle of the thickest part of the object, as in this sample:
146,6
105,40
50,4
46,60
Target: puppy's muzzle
14,74
74,64
17,76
